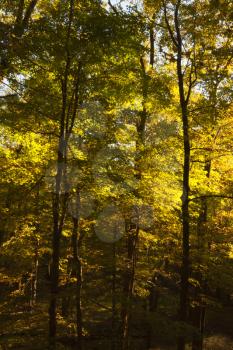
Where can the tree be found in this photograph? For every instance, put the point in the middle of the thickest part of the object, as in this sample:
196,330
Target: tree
115,186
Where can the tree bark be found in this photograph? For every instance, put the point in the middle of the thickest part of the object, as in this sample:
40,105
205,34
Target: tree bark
132,231
35,264
185,264
113,342
198,321
77,271
34,278
152,41
59,200
198,312
153,300
23,16
132,227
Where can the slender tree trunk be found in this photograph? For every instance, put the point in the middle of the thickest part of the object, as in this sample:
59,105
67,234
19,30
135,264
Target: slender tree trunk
198,312
153,300
202,325
185,265
59,209
79,306
34,278
54,271
132,228
66,299
198,321
77,271
152,41
59,200
59,204
132,231
113,342
35,265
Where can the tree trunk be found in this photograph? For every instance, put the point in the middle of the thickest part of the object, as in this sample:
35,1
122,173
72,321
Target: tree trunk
132,228
198,321
77,271
57,229
185,265
59,200
198,313
153,304
35,265
113,342
132,231
65,306
152,41
34,278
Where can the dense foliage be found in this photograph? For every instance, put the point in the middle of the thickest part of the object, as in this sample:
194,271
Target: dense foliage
116,183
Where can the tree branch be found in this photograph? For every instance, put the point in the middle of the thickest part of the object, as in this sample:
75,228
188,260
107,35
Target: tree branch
211,196
178,39
191,82
152,39
9,95
28,13
168,25
19,16
112,7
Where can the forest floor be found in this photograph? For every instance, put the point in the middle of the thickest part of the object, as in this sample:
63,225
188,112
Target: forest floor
219,329
27,330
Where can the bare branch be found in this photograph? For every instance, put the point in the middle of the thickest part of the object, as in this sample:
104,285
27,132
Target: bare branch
112,7
178,40
9,95
201,108
168,25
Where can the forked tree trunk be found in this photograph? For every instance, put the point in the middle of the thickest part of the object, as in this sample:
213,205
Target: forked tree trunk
184,100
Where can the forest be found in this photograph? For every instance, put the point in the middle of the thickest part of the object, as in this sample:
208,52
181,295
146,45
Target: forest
116,182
